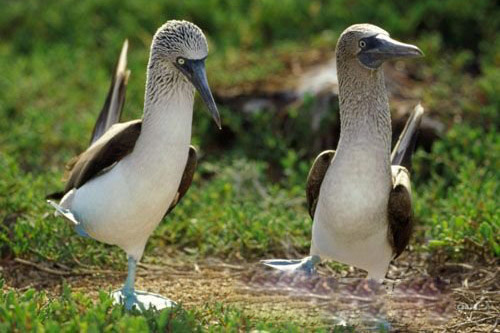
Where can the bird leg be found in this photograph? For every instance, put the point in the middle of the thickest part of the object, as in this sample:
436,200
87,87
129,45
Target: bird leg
306,265
127,295
138,300
128,290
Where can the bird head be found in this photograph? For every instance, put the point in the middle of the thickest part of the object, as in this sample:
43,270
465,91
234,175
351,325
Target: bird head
372,46
183,45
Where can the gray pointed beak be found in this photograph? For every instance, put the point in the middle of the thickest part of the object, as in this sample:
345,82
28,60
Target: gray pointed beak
195,72
382,48
389,48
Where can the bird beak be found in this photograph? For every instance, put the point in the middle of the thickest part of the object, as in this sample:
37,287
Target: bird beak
384,48
389,48
195,72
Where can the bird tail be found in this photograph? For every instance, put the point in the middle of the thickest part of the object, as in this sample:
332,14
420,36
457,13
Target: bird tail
403,151
55,196
112,109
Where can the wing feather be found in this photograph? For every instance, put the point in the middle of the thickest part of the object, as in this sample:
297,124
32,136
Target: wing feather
115,144
187,178
110,141
113,106
400,210
315,178
403,150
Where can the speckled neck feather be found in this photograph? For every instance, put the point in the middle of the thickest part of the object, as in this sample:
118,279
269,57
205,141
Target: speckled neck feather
364,105
163,82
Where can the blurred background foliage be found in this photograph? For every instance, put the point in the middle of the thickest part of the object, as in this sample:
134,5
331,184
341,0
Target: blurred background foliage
247,201
248,198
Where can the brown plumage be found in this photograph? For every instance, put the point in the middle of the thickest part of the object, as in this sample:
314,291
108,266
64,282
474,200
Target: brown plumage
113,106
315,178
400,215
400,210
187,178
114,145
403,150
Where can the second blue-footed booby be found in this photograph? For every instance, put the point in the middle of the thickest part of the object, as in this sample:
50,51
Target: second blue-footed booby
359,196
134,173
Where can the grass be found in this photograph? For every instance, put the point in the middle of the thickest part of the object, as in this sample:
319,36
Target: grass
55,61
459,199
76,312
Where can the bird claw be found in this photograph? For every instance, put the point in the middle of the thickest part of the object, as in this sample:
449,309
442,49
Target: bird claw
306,265
141,300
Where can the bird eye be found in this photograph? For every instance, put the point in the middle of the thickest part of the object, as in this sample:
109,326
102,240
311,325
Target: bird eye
181,61
362,44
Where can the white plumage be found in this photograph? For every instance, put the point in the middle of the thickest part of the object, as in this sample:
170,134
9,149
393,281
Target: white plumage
124,205
360,204
350,223
134,173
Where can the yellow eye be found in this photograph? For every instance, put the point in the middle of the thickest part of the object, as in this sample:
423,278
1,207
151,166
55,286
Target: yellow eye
362,44
181,61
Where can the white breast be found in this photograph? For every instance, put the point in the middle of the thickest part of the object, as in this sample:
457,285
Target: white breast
125,204
350,222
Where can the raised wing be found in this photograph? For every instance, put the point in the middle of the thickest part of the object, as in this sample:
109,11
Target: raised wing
112,109
403,150
187,178
400,210
315,178
115,144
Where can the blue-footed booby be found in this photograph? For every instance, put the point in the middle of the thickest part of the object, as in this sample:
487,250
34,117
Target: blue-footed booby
134,173
359,196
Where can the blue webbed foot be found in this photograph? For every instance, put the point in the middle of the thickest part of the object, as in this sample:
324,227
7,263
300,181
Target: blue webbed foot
68,215
307,265
138,300
141,300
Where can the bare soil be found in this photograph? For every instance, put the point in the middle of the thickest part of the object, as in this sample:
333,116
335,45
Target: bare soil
419,295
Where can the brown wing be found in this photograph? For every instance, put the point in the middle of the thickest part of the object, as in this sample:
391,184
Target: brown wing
113,106
187,178
403,150
115,144
400,210
315,178
86,165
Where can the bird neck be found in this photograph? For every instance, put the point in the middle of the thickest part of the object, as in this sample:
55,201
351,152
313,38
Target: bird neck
364,107
168,106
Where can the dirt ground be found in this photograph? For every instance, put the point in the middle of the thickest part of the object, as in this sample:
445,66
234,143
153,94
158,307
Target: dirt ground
419,295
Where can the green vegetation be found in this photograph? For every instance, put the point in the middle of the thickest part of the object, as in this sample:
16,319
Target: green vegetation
459,199
55,61
75,312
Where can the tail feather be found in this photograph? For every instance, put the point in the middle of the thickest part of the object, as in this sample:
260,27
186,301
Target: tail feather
55,196
112,109
403,150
